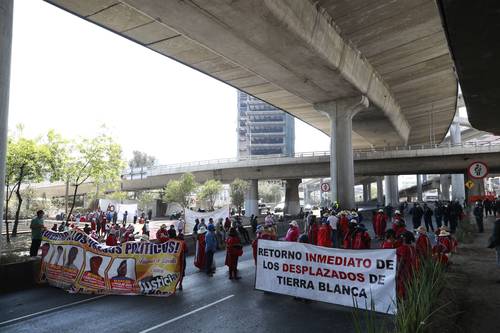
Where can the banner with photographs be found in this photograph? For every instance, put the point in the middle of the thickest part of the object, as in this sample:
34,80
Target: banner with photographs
73,261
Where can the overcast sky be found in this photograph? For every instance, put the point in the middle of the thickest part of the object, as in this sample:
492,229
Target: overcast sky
73,76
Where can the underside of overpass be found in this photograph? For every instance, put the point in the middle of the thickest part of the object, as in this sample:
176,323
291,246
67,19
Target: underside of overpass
296,53
472,31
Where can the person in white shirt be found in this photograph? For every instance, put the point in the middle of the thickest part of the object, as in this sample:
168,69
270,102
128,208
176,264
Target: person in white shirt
333,221
180,225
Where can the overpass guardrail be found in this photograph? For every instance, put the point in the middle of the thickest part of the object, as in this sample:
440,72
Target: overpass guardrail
136,173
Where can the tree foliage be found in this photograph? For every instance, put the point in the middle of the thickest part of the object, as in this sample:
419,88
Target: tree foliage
145,198
209,191
238,189
27,160
180,190
95,159
270,192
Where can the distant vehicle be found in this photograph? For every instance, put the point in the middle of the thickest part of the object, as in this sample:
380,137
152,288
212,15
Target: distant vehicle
279,208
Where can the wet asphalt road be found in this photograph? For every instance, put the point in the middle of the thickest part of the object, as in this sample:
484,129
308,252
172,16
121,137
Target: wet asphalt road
207,304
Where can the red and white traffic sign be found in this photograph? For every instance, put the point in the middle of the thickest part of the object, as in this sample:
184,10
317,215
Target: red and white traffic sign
477,170
325,187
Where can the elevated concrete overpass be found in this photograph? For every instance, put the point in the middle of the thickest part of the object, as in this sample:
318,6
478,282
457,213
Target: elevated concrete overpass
427,159
369,73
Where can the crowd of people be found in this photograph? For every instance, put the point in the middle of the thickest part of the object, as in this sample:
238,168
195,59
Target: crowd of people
333,228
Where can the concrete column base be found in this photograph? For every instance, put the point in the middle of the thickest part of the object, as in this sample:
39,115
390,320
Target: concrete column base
292,200
391,191
341,112
252,198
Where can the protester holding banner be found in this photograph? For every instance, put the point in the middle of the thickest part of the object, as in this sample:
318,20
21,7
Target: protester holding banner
234,249
162,234
390,241
199,257
293,232
184,254
325,234
361,239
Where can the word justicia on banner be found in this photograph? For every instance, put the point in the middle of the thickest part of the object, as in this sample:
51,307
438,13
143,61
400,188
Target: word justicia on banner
75,262
345,277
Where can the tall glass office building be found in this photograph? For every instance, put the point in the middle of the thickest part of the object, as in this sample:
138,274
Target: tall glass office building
263,129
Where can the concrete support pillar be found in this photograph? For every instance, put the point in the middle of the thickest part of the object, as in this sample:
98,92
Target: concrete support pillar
380,191
6,10
252,198
445,187
292,201
457,180
366,192
391,191
419,188
341,112
306,194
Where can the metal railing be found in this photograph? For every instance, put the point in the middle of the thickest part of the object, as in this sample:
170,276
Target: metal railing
162,169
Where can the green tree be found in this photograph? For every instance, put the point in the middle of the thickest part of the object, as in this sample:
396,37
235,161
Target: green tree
144,199
180,190
238,189
270,192
209,191
141,160
95,159
28,160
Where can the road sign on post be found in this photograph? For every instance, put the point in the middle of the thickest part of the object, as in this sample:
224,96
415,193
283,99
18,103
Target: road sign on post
325,187
477,170
469,184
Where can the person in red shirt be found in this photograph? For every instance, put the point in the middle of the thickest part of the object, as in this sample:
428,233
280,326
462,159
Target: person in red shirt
399,227
111,239
407,262
234,250
343,224
293,232
380,223
162,234
423,244
390,241
312,233
325,235
361,239
397,216
199,257
440,254
445,240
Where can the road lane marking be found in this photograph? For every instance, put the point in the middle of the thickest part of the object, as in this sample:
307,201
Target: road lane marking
50,310
186,314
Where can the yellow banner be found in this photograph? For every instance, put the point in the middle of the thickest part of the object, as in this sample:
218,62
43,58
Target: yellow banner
73,261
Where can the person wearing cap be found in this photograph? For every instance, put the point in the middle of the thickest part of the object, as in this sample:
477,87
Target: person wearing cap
423,244
293,232
444,239
407,262
312,232
210,248
325,234
234,250
380,223
162,234
361,239
199,257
